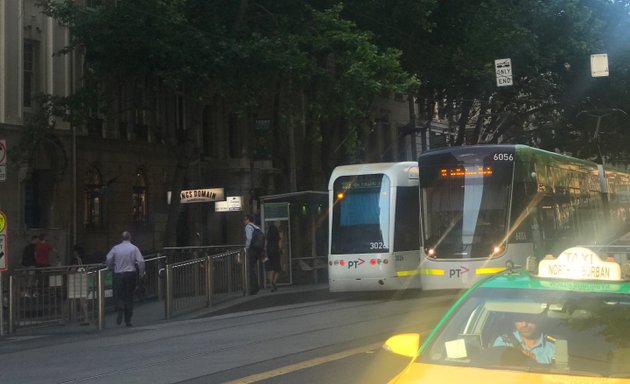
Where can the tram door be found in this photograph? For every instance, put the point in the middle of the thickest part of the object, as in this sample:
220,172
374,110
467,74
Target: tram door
276,217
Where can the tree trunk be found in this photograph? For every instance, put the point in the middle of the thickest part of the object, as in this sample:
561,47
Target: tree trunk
307,152
292,154
462,122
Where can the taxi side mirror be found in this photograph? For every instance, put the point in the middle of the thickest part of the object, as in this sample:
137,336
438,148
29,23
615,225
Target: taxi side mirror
405,344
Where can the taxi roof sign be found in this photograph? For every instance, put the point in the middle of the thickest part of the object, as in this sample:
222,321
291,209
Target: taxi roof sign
579,263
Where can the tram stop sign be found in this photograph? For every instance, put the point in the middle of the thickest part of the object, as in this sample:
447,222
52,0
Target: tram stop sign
4,251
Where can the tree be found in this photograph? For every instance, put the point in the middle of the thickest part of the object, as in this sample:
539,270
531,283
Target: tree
451,46
319,66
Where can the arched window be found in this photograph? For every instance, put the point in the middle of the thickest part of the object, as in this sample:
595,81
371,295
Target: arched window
139,198
93,208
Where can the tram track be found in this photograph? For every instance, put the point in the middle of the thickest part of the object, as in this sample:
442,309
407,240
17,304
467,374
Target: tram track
334,326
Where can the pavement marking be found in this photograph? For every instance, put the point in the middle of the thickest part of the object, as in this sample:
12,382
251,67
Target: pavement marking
313,362
306,364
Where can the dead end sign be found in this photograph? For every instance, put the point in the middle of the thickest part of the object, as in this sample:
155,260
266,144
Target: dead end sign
503,70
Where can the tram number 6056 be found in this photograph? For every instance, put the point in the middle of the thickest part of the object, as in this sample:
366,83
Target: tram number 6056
503,157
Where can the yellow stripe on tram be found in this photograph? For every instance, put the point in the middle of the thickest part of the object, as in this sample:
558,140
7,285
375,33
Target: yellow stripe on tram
408,273
489,271
437,272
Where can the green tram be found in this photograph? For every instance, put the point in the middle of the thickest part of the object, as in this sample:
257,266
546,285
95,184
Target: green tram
482,206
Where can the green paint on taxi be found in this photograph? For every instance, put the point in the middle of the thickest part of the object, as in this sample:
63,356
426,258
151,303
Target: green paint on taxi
524,280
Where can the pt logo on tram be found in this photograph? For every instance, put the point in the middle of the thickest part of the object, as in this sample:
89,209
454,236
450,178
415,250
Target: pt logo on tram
355,263
457,272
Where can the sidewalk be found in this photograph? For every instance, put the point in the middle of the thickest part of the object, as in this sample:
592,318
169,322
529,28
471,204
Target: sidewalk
153,312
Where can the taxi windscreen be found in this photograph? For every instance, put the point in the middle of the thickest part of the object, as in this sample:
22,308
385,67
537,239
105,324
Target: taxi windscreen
564,332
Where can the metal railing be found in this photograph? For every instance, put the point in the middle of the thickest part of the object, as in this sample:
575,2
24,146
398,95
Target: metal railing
58,295
40,296
186,279
198,282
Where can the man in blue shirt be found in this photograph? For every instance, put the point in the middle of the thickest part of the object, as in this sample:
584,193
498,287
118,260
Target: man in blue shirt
529,339
127,263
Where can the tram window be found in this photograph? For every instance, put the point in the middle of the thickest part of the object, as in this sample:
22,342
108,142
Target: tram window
361,217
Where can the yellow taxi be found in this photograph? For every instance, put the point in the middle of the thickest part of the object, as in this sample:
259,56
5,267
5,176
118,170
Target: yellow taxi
568,322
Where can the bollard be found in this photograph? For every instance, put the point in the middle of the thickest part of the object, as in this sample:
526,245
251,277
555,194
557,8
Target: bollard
168,307
101,299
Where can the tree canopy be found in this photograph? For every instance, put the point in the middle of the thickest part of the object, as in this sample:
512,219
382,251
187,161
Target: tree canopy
451,47
337,56
319,65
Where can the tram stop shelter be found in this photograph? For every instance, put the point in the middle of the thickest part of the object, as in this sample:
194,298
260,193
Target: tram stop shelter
302,221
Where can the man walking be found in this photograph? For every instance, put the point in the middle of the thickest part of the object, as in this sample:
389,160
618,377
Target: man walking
127,262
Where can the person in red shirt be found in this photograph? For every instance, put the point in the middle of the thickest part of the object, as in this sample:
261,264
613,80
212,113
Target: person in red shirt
42,251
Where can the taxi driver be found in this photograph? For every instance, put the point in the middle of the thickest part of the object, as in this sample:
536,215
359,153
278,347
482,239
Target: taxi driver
529,339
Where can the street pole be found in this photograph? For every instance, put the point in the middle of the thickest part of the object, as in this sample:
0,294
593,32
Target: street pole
600,114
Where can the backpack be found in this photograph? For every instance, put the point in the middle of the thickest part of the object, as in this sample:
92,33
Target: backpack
258,239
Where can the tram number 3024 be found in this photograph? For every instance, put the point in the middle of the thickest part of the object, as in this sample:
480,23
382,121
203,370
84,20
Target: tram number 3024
503,157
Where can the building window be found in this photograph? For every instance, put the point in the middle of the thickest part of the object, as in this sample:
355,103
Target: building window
93,216
263,139
139,198
31,68
122,130
141,132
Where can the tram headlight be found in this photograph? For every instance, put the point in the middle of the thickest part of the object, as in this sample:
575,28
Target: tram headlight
430,252
498,249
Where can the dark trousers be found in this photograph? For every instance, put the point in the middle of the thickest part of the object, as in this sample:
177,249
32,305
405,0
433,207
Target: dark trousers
124,287
252,259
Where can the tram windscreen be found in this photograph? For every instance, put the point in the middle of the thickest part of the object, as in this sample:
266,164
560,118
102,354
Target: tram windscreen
465,204
360,212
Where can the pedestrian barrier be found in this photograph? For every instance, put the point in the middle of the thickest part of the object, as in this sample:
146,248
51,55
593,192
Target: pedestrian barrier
52,295
311,264
203,280
185,279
